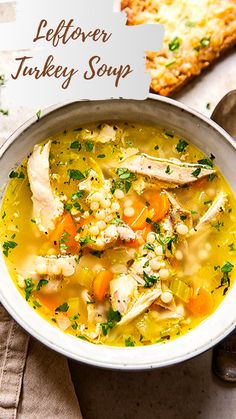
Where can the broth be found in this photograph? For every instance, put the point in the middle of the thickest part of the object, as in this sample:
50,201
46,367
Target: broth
130,241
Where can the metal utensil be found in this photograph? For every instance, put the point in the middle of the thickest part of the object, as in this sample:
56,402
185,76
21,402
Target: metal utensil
224,354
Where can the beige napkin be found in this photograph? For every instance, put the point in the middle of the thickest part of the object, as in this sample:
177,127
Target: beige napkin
35,382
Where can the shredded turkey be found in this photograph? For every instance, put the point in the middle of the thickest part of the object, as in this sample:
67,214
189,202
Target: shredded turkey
121,291
47,206
173,172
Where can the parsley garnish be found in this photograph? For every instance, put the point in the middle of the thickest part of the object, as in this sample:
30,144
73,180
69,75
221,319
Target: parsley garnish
205,42
125,180
17,175
86,240
149,246
218,225
41,283
89,146
29,286
231,247
76,145
101,156
77,195
168,134
206,162
150,280
97,253
175,44
168,170
36,304
2,79
63,244
129,342
4,112
76,174
181,146
197,172
63,308
7,246
113,317
225,280
155,226
38,114
167,242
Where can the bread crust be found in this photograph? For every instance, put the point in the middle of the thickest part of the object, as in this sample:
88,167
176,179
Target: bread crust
168,80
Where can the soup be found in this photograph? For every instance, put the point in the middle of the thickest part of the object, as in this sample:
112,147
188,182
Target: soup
120,234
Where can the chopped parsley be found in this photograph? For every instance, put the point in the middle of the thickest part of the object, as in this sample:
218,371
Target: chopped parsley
78,207
89,146
113,317
150,280
197,172
206,162
211,177
63,308
36,304
2,79
175,44
38,114
29,286
129,342
41,283
101,156
125,180
181,146
232,247
168,170
170,63
76,145
63,244
4,112
4,215
225,280
86,240
205,42
7,246
168,134
76,174
218,225
156,226
149,246
17,175
166,242
68,207
156,147
97,253
77,195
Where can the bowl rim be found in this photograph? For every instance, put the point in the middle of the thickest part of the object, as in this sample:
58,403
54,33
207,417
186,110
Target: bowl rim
109,363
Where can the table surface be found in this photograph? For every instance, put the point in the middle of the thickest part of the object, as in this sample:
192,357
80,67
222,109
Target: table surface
184,391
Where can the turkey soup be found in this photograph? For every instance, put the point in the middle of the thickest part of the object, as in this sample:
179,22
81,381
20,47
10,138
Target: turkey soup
120,234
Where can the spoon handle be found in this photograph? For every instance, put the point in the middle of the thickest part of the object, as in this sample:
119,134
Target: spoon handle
224,354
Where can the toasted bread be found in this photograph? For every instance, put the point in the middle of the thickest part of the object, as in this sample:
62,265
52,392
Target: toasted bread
197,33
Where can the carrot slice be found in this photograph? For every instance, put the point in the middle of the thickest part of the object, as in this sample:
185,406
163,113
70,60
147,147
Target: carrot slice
50,302
202,304
138,220
65,233
159,207
101,284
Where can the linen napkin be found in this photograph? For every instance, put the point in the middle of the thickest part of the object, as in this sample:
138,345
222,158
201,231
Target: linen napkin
35,382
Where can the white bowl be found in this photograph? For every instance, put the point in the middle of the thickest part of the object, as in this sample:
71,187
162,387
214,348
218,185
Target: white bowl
202,132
